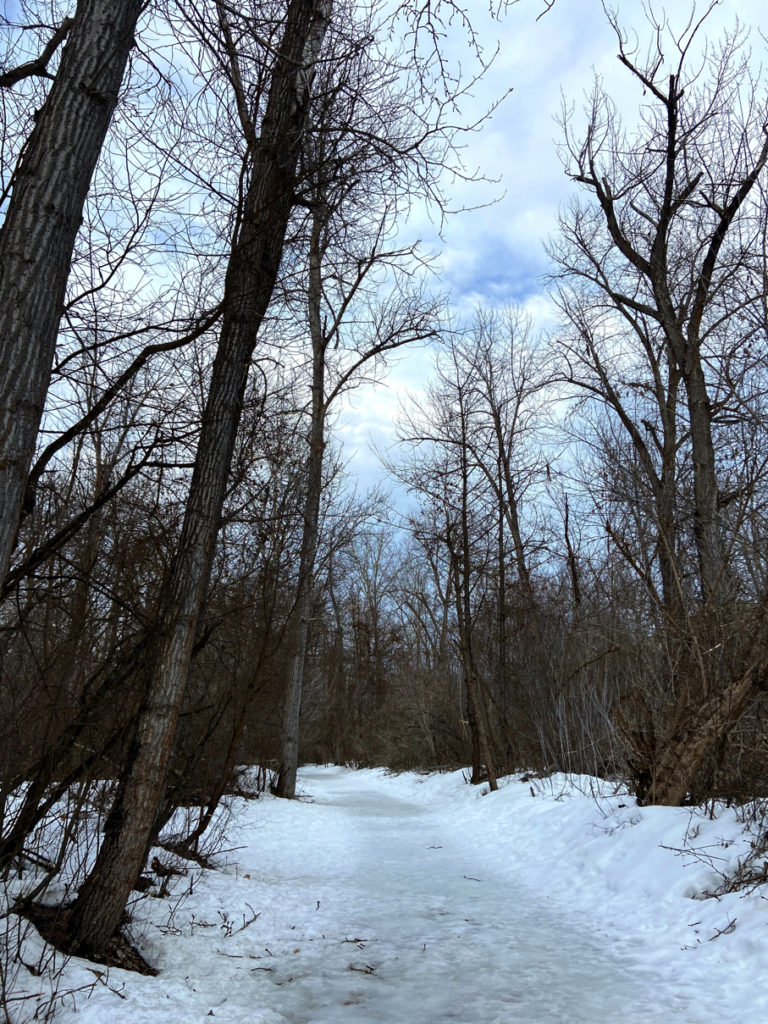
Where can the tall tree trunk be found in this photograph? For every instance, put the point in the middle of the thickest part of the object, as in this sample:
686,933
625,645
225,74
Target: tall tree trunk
38,234
476,704
665,493
289,755
501,607
706,523
251,275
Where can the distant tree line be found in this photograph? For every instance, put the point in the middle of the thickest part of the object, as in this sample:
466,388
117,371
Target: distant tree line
199,254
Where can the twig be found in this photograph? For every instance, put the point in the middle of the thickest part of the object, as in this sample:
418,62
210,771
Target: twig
364,969
730,927
100,976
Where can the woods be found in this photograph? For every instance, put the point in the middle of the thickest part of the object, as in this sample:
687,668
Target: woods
205,249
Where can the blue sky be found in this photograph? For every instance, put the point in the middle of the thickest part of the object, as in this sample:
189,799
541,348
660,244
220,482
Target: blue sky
495,255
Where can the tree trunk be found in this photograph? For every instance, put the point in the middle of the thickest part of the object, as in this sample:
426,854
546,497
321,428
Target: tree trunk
698,732
501,608
38,234
251,275
289,756
482,759
706,526
476,704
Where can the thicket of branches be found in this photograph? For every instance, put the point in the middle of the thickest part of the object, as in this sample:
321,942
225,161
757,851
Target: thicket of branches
189,282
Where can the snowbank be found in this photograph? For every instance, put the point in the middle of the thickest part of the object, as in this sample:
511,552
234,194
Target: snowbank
418,899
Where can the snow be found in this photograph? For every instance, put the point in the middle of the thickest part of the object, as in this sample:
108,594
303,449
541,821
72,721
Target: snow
417,899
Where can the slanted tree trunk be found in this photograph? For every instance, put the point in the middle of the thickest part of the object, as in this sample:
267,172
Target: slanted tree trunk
678,772
38,234
251,275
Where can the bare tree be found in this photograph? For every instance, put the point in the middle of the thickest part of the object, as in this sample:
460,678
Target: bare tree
268,77
404,319
657,273
672,225
49,187
441,469
376,144
253,267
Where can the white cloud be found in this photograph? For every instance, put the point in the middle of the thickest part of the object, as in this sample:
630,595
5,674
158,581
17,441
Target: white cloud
494,255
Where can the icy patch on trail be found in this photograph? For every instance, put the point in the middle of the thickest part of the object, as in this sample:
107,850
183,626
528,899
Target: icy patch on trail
411,899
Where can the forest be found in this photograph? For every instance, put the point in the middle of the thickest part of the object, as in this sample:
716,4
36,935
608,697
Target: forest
201,255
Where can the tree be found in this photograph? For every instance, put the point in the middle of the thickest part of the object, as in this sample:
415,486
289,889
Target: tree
404,319
49,186
266,57
441,469
257,247
657,276
673,224
375,144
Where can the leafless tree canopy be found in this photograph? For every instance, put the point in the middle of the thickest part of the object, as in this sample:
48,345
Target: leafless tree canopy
200,255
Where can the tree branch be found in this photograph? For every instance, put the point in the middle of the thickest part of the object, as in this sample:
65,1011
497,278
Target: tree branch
38,66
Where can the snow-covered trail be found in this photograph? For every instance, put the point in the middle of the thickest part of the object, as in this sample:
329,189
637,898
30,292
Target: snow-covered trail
445,932
381,899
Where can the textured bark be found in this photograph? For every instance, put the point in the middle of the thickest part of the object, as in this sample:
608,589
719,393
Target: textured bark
289,754
38,234
251,275
674,776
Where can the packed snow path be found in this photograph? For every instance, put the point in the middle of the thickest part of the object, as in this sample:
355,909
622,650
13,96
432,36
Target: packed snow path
435,927
380,899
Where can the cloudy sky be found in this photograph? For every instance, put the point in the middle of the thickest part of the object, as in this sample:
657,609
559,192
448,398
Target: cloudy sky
494,256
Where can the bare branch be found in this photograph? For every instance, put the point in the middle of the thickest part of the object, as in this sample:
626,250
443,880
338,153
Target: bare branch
39,66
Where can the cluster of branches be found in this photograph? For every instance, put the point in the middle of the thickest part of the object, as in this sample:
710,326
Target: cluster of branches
199,254
647,487
197,258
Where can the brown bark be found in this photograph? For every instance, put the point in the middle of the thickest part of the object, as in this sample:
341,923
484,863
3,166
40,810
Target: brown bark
38,234
289,754
251,275
674,775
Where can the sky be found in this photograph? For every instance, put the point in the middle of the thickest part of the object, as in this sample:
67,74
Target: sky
494,255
